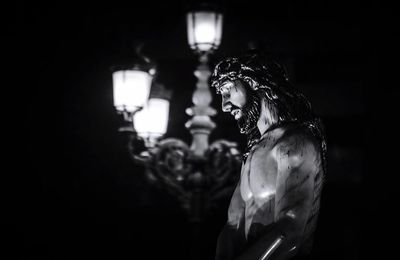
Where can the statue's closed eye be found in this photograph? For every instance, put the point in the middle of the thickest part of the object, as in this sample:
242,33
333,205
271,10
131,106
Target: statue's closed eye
226,87
224,91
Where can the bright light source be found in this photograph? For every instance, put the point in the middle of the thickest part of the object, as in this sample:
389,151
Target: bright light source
152,121
204,30
131,89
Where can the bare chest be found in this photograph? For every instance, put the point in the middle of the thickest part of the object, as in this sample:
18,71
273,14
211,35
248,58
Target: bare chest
258,175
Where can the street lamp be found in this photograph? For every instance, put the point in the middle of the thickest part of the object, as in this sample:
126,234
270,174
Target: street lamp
131,85
198,175
204,27
131,89
151,122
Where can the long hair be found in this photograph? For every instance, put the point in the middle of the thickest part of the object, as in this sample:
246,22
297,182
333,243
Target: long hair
268,79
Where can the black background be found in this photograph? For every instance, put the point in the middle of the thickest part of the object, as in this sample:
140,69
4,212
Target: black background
75,192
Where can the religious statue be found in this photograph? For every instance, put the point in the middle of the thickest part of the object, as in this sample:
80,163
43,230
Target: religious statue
274,209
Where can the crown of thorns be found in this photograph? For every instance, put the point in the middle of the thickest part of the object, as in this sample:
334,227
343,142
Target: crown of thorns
251,70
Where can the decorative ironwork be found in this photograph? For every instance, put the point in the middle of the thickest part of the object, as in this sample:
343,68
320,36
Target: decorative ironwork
174,167
201,175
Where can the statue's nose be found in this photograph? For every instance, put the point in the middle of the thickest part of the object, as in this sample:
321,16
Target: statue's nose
226,105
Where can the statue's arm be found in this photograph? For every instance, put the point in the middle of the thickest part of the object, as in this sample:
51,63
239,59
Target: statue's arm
293,200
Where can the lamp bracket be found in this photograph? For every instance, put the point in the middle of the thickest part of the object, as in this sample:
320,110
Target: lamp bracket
173,166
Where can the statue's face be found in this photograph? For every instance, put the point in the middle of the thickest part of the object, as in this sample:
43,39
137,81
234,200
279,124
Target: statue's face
241,104
234,98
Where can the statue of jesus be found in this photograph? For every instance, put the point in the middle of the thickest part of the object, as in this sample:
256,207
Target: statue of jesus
274,208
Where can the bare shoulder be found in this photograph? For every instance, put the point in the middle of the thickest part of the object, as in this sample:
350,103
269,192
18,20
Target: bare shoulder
295,146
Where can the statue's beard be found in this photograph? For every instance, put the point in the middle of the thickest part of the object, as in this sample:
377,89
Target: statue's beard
250,114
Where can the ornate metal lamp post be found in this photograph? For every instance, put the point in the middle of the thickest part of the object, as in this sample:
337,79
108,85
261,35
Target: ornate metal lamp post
204,35
197,175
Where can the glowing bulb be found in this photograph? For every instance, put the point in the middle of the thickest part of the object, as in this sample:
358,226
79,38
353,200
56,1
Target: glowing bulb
204,30
131,89
152,121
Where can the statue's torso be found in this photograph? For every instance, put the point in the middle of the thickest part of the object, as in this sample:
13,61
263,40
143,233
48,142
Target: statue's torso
254,206
258,181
